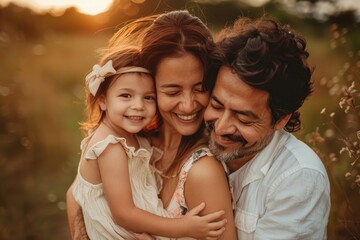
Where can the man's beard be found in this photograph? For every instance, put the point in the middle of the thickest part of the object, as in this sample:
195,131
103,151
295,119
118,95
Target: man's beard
242,150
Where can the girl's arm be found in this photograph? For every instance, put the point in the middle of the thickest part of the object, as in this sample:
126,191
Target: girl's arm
207,182
113,165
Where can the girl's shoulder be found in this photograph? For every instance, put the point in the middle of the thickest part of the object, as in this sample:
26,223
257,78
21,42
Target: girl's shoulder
93,148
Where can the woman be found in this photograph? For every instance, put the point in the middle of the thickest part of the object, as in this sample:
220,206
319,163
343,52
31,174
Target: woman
177,48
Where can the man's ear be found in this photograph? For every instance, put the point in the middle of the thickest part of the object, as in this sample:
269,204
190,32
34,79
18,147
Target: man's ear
102,102
282,122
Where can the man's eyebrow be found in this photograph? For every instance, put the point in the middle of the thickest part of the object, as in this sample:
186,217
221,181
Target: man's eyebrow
217,100
247,113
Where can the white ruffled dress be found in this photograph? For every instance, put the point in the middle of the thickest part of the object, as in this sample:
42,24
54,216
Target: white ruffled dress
144,184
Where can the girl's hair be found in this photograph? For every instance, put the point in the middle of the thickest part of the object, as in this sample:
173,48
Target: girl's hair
124,57
173,34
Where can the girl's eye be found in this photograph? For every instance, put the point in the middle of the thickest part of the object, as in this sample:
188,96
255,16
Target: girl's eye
150,98
125,95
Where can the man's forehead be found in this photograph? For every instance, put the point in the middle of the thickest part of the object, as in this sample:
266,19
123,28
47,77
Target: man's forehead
231,90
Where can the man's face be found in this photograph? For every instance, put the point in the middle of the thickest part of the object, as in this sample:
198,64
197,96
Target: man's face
238,118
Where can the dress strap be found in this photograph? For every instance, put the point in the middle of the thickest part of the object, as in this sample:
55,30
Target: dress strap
199,153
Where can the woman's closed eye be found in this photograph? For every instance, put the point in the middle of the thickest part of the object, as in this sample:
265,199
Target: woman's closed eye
172,93
200,90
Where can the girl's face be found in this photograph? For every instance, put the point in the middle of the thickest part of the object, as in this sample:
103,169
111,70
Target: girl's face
180,95
130,102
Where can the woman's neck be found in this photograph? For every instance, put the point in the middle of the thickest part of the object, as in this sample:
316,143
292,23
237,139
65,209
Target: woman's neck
168,141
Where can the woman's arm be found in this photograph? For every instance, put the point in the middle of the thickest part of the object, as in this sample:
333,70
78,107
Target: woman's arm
207,182
113,165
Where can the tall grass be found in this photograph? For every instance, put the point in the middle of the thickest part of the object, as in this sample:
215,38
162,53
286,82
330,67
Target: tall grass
41,97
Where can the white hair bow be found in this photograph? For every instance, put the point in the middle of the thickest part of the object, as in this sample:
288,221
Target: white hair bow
97,76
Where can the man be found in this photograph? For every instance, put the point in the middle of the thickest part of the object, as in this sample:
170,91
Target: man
280,186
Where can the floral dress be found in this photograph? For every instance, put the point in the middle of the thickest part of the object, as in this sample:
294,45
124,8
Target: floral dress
177,206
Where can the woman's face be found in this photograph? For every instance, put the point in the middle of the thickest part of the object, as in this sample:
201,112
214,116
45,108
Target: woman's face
180,94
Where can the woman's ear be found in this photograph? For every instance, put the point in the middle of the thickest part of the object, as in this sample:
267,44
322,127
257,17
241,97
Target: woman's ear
282,122
102,102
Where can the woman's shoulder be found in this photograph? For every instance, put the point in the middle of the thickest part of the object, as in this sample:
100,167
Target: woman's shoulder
208,165
205,164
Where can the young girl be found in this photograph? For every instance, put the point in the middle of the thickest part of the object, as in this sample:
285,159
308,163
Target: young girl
115,185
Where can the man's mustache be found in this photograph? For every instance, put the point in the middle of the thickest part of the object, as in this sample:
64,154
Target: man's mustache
235,138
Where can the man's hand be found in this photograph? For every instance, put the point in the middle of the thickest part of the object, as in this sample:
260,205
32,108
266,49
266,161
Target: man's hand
79,227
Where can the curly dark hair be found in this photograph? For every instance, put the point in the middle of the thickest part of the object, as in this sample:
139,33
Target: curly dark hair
271,57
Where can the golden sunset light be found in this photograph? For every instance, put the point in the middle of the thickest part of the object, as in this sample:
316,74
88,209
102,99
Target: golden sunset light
92,7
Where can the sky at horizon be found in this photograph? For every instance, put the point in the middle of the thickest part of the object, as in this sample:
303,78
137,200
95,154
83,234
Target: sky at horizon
92,7
320,10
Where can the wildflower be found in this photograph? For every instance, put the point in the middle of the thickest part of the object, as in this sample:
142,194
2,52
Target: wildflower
329,133
332,114
332,157
342,103
316,137
358,134
323,81
348,174
347,101
323,111
343,150
357,180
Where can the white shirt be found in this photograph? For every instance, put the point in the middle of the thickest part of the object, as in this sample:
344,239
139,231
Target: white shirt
282,193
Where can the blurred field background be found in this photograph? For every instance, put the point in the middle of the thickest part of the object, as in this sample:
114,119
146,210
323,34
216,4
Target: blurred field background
45,56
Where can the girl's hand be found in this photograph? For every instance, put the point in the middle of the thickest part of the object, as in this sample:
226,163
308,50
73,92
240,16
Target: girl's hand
204,227
143,236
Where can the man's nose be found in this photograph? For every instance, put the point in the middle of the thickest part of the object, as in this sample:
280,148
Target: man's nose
225,124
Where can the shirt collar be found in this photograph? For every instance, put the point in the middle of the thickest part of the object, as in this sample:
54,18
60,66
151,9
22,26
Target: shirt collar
258,167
